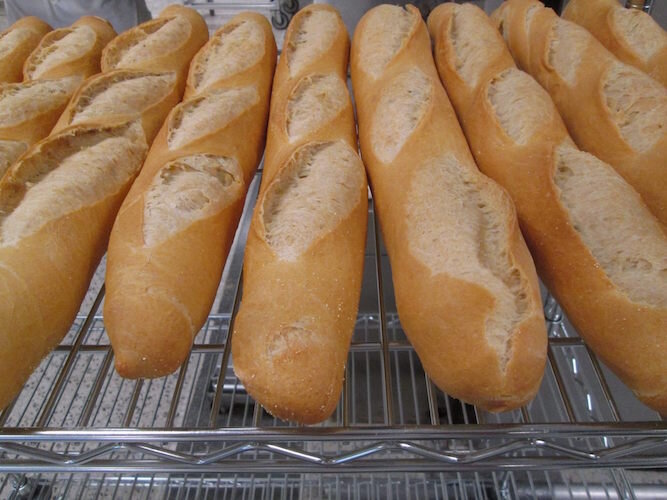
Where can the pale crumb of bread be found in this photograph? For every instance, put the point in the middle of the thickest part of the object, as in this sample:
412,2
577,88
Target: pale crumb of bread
186,190
522,107
313,34
567,42
402,105
387,28
9,153
233,49
125,93
161,36
458,223
71,171
639,30
637,104
23,101
312,194
475,42
207,113
622,235
315,100
13,38
67,44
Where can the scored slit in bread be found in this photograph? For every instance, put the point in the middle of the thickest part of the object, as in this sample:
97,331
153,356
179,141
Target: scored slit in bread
188,189
627,242
234,48
153,37
122,92
65,174
313,34
388,28
57,47
20,102
11,39
403,103
312,194
211,111
314,101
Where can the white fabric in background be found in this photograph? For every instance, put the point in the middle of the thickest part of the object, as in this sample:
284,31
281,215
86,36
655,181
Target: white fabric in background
122,14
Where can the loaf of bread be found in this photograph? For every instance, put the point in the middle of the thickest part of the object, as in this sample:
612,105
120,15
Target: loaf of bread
167,43
466,288
28,112
123,94
614,111
16,44
631,35
170,241
596,245
71,51
305,251
57,206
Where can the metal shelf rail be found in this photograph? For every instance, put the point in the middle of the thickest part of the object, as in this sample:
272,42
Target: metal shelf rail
77,428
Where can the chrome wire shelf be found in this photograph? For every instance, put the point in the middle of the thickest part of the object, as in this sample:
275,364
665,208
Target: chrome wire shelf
78,429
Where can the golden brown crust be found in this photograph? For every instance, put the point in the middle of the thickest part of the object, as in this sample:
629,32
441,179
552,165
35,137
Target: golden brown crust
293,331
41,292
597,16
624,334
582,104
85,65
177,278
175,58
11,62
448,329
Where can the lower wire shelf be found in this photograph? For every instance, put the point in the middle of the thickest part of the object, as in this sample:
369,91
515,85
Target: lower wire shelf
79,430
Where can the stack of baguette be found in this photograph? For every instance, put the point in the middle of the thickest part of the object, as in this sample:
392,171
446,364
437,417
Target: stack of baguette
466,288
595,243
613,110
52,72
59,200
170,241
305,250
631,35
16,44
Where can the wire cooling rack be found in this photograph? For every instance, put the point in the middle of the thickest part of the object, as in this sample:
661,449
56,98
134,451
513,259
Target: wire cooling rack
79,430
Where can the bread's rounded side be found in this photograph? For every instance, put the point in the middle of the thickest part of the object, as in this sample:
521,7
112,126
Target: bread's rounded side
86,64
11,64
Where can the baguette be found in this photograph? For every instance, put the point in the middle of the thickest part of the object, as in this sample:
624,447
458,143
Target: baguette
167,43
631,35
62,195
612,110
123,94
71,51
170,241
596,245
16,44
466,289
28,112
305,250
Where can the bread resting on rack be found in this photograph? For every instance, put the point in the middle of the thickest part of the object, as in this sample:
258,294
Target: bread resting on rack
305,251
16,44
466,289
632,35
612,110
596,245
173,232
57,205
